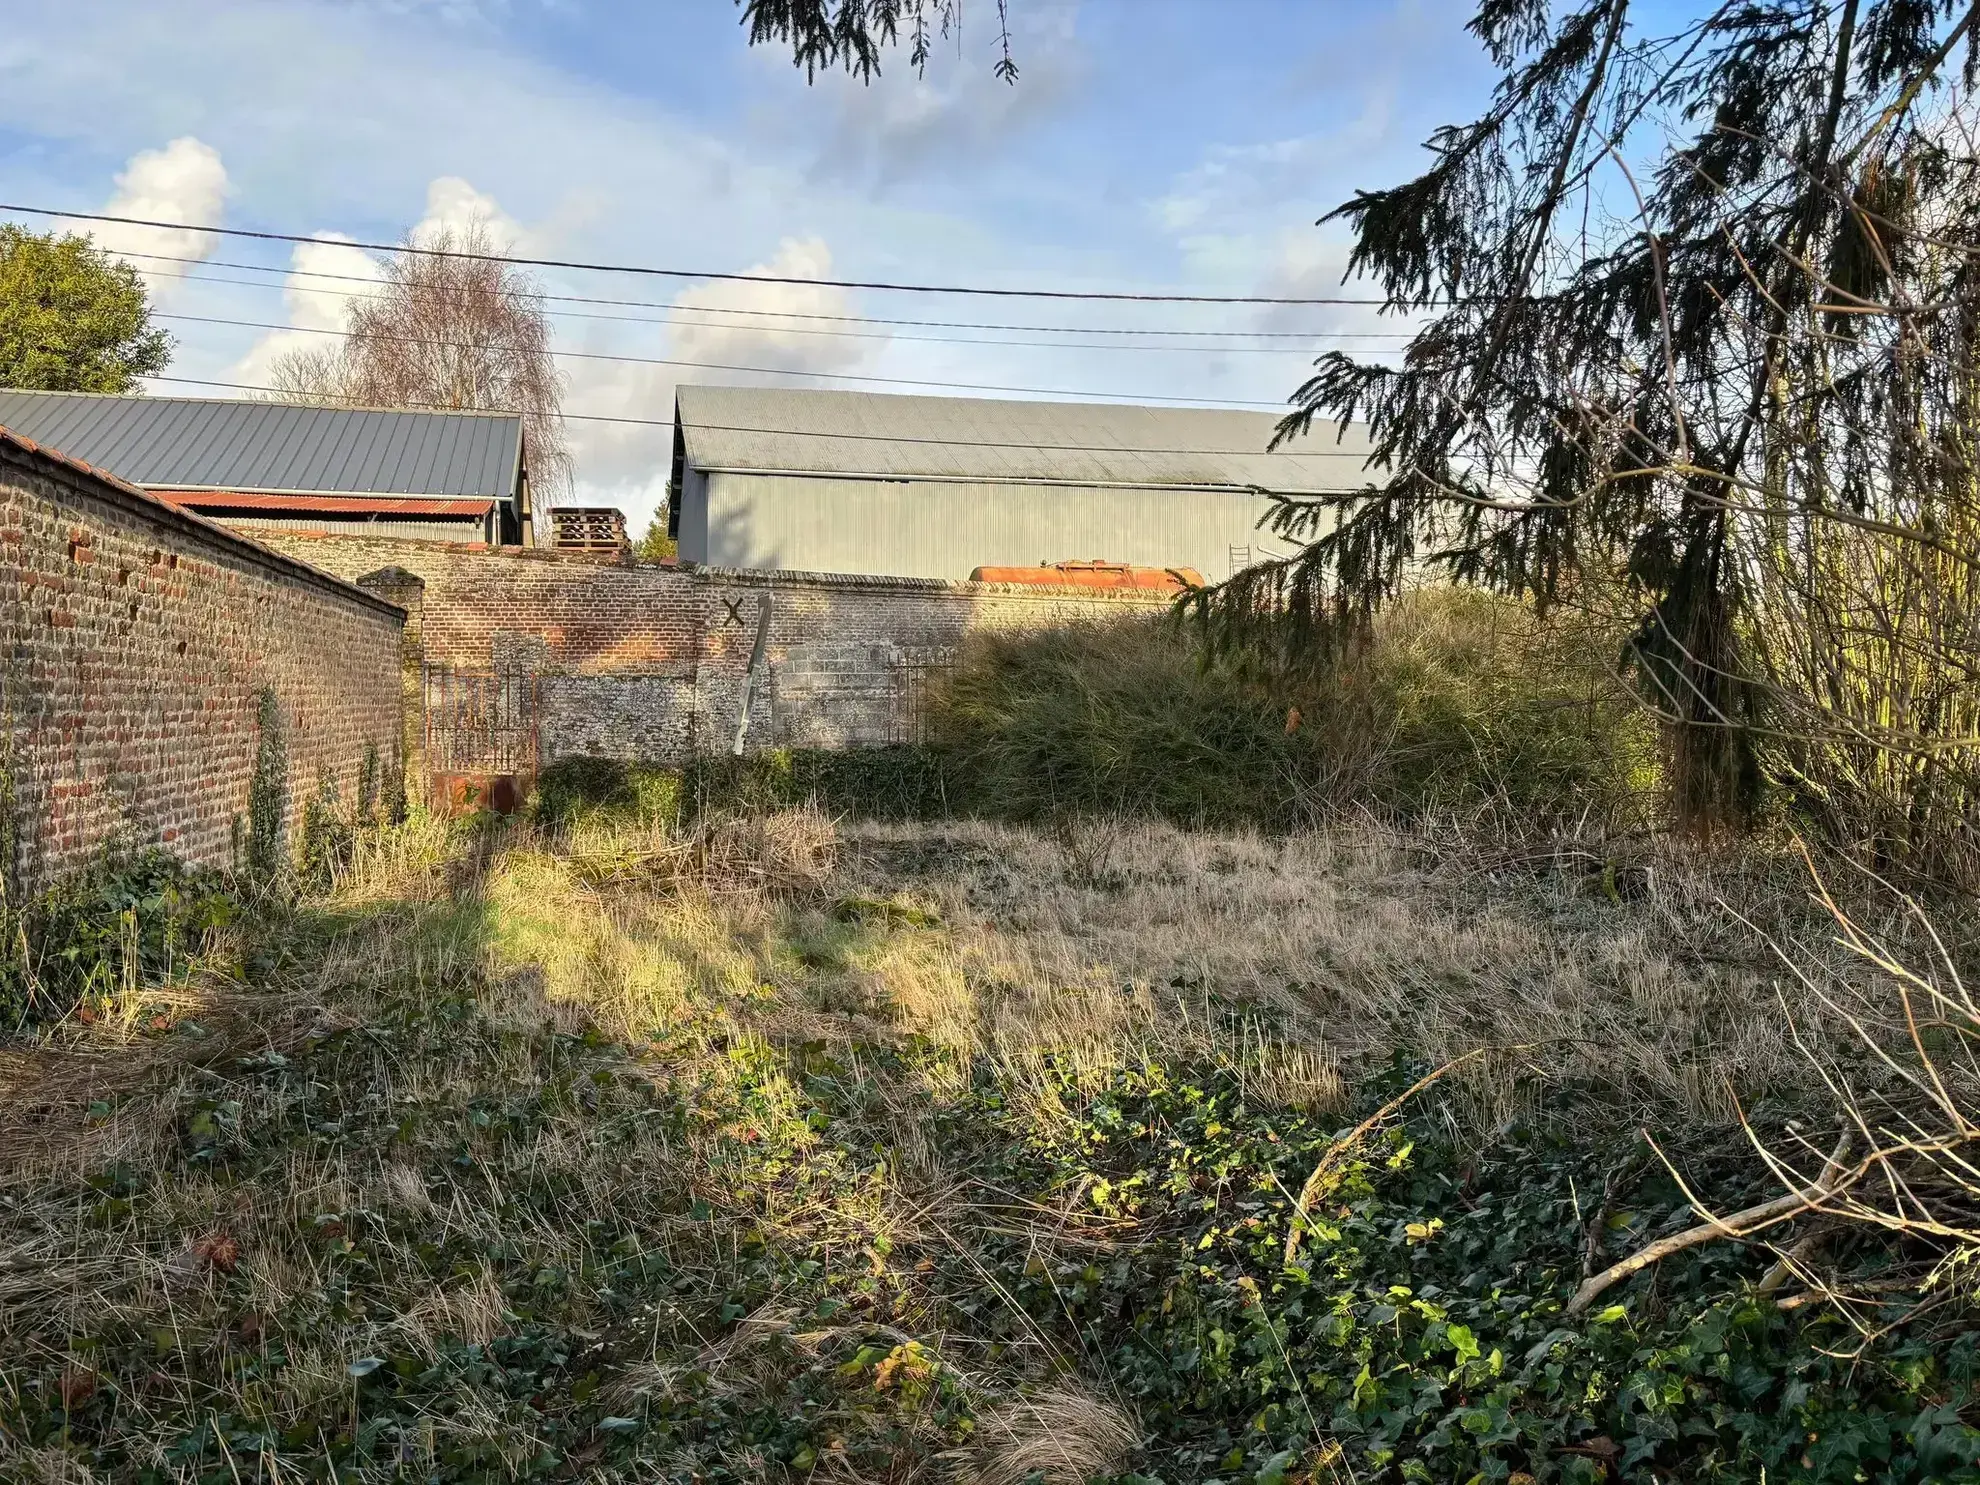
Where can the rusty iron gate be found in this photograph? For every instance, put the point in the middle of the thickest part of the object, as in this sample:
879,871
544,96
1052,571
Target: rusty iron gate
912,678
480,722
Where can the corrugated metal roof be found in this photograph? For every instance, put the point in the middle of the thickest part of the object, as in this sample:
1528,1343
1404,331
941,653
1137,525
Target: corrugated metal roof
972,438
166,443
383,505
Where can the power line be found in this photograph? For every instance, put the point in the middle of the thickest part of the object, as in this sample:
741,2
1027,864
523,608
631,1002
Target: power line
879,335
785,329
578,265
836,376
966,443
696,309
1076,394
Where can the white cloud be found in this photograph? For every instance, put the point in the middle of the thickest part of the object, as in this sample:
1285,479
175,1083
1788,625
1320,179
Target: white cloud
185,182
454,205
781,324
626,463
323,276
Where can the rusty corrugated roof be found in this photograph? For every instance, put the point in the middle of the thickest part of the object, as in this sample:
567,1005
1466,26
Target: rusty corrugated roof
383,505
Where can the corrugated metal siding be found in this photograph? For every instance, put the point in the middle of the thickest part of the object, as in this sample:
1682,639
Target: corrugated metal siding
196,443
457,531
854,433
908,529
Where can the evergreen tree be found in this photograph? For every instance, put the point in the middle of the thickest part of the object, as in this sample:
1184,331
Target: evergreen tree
73,318
854,33
1697,314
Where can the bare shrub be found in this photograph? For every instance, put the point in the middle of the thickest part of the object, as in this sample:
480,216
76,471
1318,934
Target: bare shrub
451,327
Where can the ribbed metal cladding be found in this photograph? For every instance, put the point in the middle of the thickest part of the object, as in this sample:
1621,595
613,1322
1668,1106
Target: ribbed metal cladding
168,443
455,531
882,435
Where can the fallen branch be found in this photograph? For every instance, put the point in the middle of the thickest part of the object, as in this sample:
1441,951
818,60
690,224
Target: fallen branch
1739,1224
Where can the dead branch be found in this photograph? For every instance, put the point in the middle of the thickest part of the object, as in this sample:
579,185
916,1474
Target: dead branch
1739,1224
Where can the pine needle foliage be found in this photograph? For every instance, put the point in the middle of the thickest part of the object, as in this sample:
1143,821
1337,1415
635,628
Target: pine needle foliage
854,34
1695,308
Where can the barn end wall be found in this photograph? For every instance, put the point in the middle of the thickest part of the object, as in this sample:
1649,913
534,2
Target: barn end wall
135,643
648,661
937,529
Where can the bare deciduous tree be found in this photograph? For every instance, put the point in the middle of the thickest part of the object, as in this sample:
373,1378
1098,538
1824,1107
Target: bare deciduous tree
452,326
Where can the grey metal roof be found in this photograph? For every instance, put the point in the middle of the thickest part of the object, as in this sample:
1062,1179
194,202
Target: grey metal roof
191,443
972,438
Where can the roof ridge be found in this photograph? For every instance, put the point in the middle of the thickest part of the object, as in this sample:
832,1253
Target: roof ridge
351,407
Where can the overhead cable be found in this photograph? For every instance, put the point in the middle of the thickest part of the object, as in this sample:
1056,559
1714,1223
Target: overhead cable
647,271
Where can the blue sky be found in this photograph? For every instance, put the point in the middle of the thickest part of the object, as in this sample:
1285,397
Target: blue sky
1149,144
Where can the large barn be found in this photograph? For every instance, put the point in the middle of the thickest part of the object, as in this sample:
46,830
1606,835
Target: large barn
859,482
277,466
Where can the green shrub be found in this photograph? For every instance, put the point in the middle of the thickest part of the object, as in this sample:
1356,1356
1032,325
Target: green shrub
572,788
1115,719
882,783
127,920
1461,703
1468,703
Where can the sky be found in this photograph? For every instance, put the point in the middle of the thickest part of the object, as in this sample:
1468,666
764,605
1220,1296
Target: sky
1148,145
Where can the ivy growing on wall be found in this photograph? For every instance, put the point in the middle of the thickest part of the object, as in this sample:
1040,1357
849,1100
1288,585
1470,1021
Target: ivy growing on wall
268,791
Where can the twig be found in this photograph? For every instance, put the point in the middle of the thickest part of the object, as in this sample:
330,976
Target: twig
1739,1224
1350,1141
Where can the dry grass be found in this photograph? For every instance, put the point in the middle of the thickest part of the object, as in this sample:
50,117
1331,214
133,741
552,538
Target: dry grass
534,1057
1355,942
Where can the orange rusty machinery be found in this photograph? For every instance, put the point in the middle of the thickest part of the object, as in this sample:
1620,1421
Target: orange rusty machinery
1094,574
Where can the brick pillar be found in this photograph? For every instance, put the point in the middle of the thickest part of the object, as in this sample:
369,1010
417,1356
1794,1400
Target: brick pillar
408,591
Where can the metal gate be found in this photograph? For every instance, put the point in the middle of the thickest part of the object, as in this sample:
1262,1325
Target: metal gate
912,677
480,722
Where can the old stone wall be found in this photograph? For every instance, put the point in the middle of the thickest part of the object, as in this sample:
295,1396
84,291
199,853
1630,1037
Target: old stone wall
646,661
135,644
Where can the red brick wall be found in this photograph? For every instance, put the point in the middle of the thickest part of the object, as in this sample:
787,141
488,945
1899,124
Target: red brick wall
134,643
647,661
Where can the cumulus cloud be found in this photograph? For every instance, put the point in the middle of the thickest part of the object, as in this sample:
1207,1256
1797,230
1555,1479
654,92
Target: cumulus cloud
323,275
455,205
185,183
325,272
779,324
627,463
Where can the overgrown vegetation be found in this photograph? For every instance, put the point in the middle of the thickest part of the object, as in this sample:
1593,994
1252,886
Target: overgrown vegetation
267,845
130,920
1461,705
756,1150
894,783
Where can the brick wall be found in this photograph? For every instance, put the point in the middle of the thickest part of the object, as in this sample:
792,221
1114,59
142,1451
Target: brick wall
134,643
648,661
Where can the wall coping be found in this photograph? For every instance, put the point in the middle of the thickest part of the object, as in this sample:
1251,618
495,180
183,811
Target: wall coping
110,490
759,577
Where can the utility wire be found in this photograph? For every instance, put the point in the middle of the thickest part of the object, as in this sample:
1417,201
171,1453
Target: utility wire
697,309
784,329
578,265
1073,393
965,443
886,337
